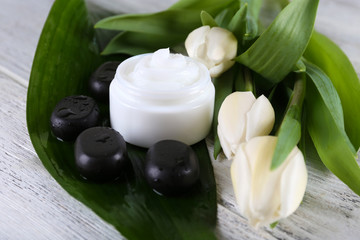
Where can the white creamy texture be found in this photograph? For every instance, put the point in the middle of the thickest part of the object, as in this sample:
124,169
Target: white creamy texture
163,71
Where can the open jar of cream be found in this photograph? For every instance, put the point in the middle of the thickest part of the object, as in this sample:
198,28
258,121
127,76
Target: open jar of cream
161,96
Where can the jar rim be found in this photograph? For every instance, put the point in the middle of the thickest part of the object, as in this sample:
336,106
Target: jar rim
159,94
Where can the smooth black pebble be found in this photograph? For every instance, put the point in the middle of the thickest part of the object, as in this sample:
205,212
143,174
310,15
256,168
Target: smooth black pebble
171,167
72,115
100,81
100,154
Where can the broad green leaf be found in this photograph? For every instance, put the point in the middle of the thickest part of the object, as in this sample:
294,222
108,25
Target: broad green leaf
330,58
328,135
289,133
207,19
169,22
134,43
66,55
279,48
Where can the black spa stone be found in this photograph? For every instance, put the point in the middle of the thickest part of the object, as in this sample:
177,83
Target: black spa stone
100,154
100,81
171,167
72,115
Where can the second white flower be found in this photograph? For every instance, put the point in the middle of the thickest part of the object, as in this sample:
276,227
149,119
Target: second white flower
242,117
214,47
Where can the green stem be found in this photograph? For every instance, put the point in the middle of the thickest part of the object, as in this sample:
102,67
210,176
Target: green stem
248,81
298,95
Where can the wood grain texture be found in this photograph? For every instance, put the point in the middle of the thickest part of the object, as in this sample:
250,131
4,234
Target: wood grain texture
34,206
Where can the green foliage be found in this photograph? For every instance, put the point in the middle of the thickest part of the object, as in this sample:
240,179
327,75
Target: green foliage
326,128
207,19
328,56
289,133
67,54
149,32
275,53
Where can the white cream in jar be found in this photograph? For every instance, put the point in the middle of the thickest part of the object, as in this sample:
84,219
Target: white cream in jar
161,96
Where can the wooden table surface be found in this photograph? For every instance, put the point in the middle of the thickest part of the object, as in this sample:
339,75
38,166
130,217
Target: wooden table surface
34,206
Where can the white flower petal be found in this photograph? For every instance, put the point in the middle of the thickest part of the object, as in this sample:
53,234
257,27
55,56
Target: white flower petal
217,70
195,39
241,180
293,183
260,119
225,145
222,44
215,47
266,196
231,118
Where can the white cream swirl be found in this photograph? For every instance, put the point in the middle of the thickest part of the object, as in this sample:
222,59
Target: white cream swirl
163,71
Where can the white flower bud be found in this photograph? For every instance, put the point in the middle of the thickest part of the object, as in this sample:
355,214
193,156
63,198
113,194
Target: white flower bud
215,47
242,117
264,196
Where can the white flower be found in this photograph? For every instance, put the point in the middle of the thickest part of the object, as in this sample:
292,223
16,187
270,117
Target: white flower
265,196
242,117
215,47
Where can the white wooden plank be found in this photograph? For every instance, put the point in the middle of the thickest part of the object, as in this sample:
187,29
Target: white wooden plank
20,28
34,206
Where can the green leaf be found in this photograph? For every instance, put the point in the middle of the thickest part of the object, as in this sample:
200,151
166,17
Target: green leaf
237,24
252,16
210,6
66,55
331,59
224,17
273,225
170,22
328,93
279,48
207,19
134,43
327,131
149,32
254,7
289,133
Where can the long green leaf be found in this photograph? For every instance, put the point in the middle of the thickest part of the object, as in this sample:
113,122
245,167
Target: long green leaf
225,16
237,24
67,54
331,59
327,132
254,7
162,23
278,49
149,32
328,92
134,43
289,133
210,6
